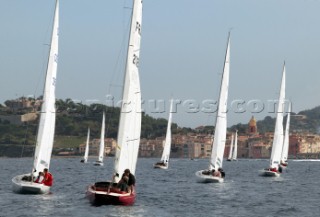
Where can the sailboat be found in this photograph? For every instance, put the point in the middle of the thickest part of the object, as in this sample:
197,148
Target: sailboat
274,166
285,148
215,173
235,149
164,162
99,162
86,152
129,125
25,184
231,149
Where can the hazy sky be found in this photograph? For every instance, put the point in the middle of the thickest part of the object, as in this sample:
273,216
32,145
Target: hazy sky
182,53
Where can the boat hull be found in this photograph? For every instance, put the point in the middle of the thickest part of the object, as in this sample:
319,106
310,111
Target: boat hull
157,166
98,163
268,173
208,178
26,187
100,194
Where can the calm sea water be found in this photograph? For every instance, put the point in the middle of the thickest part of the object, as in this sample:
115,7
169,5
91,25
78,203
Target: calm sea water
172,192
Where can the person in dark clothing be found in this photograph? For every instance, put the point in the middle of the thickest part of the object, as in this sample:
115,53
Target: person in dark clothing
123,183
223,174
131,181
280,169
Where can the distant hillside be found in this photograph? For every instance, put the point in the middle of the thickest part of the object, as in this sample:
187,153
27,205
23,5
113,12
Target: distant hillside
73,120
304,121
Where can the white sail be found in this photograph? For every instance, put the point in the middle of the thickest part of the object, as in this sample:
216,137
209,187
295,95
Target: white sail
278,132
231,147
101,147
45,136
235,149
86,152
221,120
167,144
285,148
130,117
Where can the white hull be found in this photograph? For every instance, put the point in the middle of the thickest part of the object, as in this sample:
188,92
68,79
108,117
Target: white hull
208,178
156,166
307,160
25,187
269,173
98,163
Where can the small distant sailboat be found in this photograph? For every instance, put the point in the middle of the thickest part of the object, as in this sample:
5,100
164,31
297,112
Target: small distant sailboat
233,148
285,148
99,162
274,167
24,184
128,141
164,162
86,152
215,173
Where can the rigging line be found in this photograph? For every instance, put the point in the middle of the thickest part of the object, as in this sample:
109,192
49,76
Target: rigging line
44,57
40,75
121,50
107,129
25,139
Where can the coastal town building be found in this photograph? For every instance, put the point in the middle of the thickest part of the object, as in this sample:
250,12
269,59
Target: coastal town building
251,144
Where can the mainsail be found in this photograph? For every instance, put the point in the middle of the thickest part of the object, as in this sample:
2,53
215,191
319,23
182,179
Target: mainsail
86,152
101,147
130,117
231,147
45,136
235,149
285,148
221,120
278,132
167,143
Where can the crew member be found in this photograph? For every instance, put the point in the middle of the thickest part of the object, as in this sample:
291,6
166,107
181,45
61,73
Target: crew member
131,181
48,178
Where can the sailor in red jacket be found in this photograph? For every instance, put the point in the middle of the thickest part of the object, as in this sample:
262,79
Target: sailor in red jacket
48,178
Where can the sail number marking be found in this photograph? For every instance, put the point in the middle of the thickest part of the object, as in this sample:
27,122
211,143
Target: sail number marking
55,58
138,27
54,81
135,60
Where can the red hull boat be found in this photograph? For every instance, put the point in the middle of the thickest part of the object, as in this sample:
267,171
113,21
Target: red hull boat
102,194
